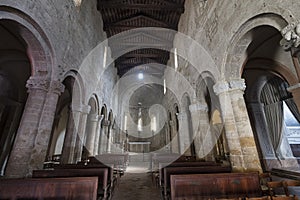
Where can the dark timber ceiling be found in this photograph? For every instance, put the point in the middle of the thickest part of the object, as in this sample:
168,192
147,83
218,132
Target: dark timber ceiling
140,50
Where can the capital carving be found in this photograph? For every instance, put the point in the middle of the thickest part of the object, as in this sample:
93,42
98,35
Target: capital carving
221,87
85,109
171,123
182,116
56,87
37,83
198,107
106,122
291,35
93,117
237,84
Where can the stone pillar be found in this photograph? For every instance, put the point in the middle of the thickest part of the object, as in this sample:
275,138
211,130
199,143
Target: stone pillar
174,143
295,90
97,136
109,137
184,136
201,128
81,126
244,129
19,164
69,146
42,140
236,158
91,132
104,137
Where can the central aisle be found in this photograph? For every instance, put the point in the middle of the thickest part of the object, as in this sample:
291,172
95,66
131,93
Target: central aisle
136,183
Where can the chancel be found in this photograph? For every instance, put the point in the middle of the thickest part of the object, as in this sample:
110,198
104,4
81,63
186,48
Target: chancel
149,99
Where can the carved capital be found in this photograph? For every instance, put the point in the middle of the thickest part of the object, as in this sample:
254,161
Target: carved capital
182,116
198,107
93,117
291,35
171,123
85,109
106,122
237,84
221,87
56,87
37,83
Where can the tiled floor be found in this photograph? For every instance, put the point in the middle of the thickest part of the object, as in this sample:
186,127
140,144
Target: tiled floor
136,184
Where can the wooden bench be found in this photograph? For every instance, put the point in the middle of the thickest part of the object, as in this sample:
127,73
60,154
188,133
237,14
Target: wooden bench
181,164
168,171
112,178
79,188
101,173
210,186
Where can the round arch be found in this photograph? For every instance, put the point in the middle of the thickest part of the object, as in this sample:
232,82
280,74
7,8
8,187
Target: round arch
235,54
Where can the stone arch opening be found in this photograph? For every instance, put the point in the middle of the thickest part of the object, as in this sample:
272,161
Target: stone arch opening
264,60
63,121
187,134
103,141
210,140
92,129
15,70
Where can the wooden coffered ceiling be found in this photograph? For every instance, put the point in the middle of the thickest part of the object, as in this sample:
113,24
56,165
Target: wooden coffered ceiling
135,49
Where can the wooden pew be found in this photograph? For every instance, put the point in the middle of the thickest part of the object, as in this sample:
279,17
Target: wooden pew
112,178
183,164
168,171
101,173
211,186
79,188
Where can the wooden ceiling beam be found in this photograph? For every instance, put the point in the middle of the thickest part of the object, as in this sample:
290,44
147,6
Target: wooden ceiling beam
129,22
117,4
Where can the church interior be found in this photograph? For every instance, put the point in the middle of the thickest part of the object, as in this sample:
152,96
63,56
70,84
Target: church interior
149,99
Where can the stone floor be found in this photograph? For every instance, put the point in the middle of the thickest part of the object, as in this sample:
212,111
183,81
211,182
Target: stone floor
137,183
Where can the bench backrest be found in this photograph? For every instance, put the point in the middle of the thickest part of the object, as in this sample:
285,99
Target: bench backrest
184,164
101,173
79,188
168,171
88,166
222,185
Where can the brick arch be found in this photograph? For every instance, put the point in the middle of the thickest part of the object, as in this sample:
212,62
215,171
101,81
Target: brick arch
78,91
235,54
39,50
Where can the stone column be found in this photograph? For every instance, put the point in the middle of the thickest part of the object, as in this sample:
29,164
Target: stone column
242,122
42,140
201,128
81,126
295,90
69,146
97,136
19,164
184,137
104,137
236,158
91,132
174,143
109,137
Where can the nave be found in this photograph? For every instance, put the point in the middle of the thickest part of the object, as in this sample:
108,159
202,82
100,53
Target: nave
137,181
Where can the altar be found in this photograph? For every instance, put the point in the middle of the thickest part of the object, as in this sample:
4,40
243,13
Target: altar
139,147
